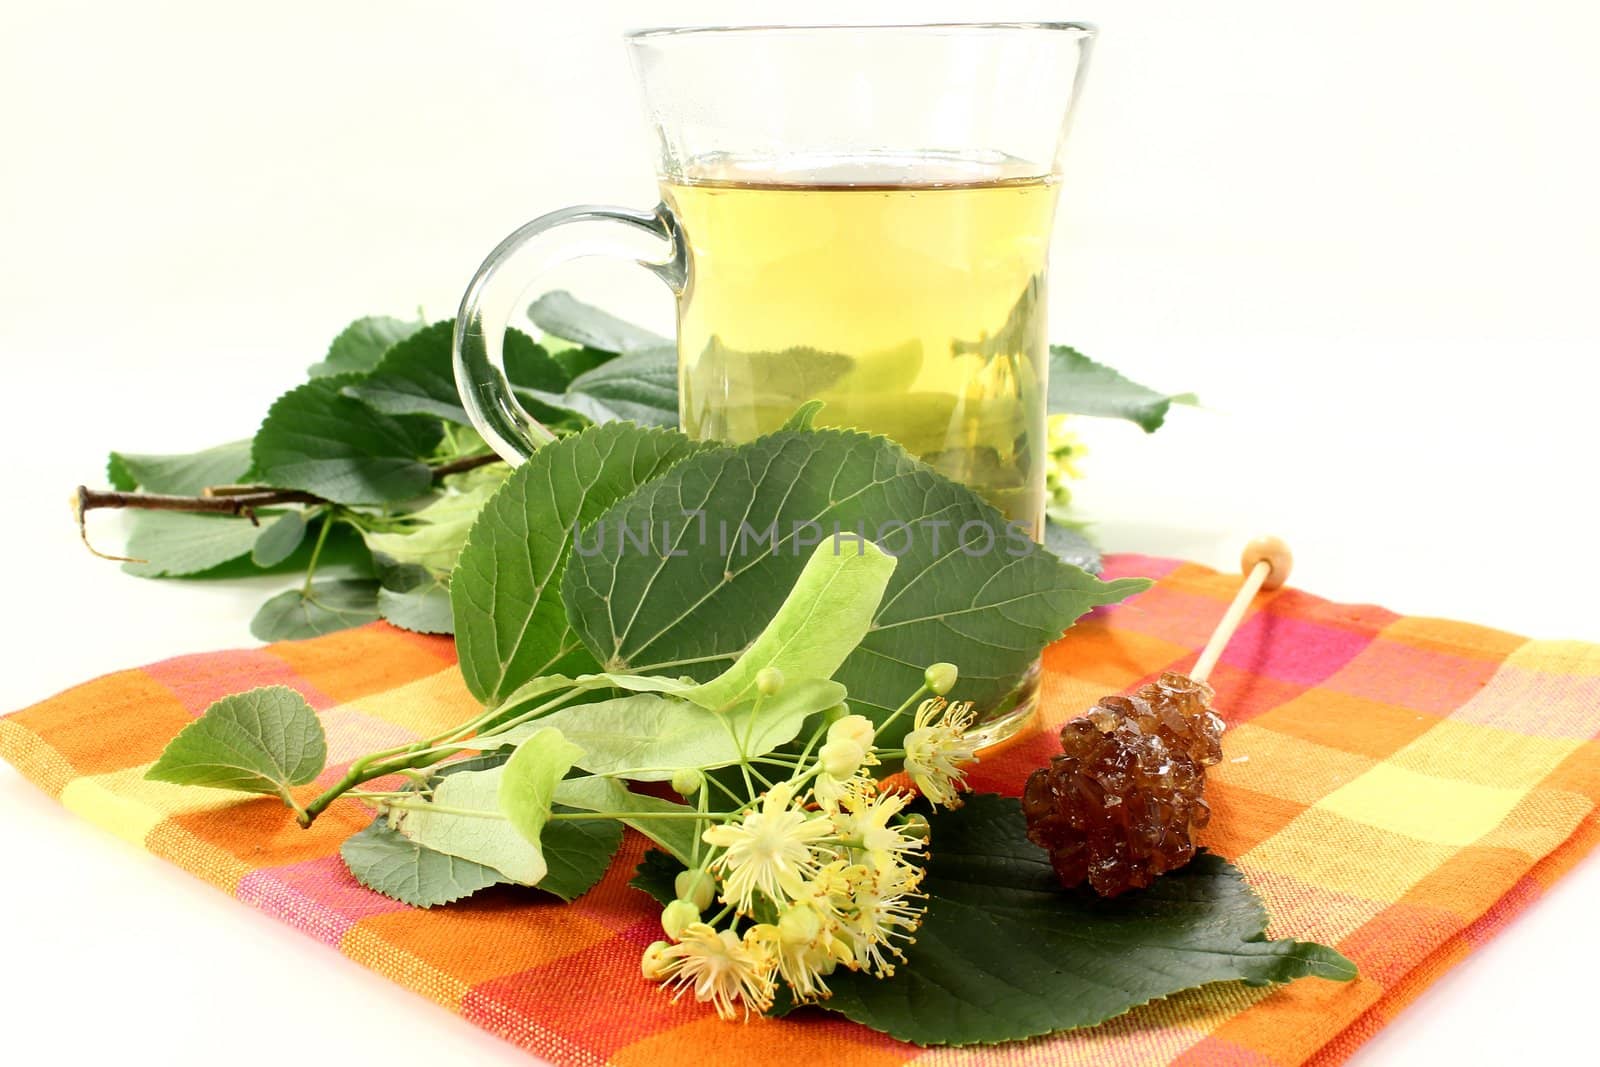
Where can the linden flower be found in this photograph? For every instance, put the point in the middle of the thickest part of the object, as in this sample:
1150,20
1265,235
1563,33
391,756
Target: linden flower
806,949
937,750
862,822
722,968
773,850
887,909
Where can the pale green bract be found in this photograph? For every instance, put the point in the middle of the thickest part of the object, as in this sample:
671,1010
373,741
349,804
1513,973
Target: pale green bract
647,737
528,784
464,819
821,621
677,835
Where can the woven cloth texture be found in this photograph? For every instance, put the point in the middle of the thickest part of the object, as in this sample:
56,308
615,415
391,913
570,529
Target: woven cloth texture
1398,787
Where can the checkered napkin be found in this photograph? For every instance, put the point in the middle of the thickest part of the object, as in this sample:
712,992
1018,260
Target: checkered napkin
1397,787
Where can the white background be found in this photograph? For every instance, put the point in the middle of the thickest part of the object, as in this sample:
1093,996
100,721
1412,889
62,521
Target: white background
1366,233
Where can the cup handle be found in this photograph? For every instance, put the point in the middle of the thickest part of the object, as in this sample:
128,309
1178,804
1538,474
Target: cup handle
514,267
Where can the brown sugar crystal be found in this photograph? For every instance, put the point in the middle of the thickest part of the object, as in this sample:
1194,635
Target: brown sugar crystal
1120,804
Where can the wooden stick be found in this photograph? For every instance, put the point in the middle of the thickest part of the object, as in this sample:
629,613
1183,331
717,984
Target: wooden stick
1266,563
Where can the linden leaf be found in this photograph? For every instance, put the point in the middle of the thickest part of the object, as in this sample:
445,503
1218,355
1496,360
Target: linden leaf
385,860
179,475
319,440
417,377
1005,953
259,741
967,588
1080,386
511,626
326,606
677,835
564,315
175,543
279,538
360,346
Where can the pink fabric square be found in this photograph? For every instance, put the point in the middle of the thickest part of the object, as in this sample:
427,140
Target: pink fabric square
202,679
1292,650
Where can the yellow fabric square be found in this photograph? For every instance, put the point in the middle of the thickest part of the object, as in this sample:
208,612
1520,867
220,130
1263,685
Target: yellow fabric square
1322,848
1558,657
130,807
1265,761
425,706
1484,755
1441,810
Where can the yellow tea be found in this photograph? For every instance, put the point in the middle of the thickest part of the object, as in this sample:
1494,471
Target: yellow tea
911,310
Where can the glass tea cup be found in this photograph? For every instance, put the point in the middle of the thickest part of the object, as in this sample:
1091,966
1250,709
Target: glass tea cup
854,214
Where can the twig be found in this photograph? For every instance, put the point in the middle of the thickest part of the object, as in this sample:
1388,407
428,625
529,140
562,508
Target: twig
224,499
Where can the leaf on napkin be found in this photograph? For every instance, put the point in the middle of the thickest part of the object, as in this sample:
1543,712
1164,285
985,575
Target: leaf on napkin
259,741
1005,953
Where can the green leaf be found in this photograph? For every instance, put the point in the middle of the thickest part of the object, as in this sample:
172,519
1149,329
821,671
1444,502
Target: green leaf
647,737
578,853
576,359
317,439
260,741
172,543
417,377
805,416
362,344
510,623
463,818
1005,953
179,475
656,875
821,621
1080,386
1071,545
385,860
988,609
278,539
564,315
329,605
413,598
432,536
676,835
639,386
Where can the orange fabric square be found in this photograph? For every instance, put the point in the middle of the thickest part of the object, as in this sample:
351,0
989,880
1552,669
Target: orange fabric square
369,659
121,720
1348,723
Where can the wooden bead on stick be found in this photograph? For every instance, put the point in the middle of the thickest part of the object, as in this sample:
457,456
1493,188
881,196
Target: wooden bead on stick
1274,553
1265,562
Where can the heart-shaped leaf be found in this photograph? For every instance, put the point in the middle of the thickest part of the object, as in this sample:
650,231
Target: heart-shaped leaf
1080,386
510,623
259,741
1005,953
967,588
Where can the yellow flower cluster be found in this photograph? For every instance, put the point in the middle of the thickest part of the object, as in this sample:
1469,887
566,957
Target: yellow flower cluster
820,872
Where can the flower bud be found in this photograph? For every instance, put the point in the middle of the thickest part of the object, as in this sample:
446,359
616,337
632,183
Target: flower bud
768,681
799,925
941,677
855,728
697,887
653,963
841,758
675,917
915,826
687,781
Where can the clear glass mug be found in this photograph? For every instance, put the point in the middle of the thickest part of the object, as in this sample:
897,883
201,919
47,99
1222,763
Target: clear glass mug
856,214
